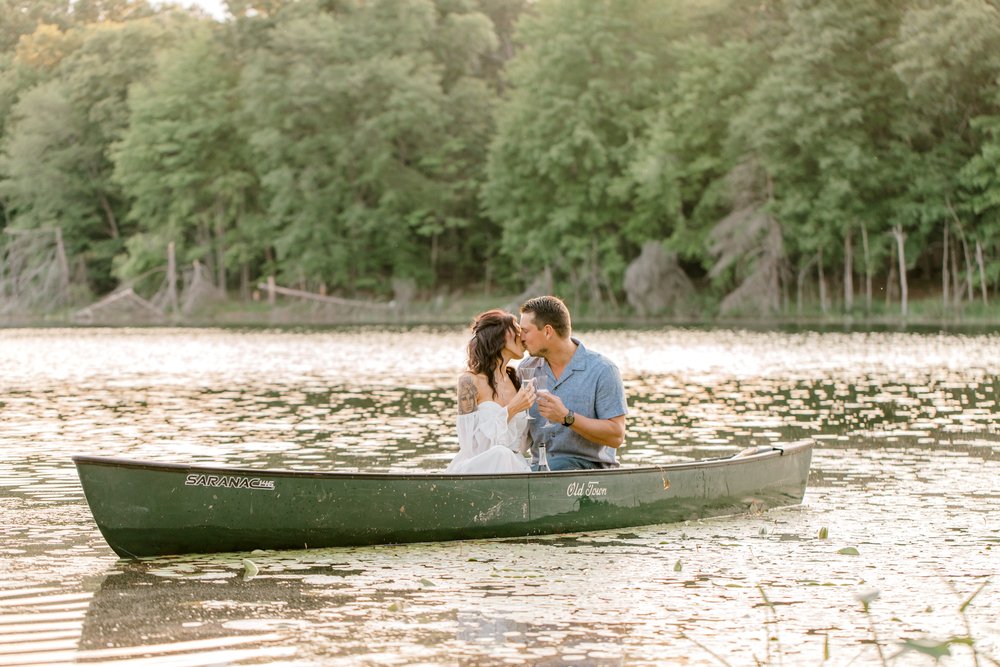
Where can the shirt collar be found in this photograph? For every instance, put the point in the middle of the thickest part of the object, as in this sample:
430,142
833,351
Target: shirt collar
578,361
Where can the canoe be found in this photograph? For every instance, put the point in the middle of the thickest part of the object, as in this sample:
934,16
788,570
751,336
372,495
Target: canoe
145,508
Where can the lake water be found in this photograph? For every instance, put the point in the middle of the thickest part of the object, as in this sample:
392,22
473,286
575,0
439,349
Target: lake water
905,485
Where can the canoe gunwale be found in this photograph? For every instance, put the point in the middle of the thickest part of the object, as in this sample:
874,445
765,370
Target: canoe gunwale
774,451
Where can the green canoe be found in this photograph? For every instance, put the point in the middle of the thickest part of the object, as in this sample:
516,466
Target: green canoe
149,509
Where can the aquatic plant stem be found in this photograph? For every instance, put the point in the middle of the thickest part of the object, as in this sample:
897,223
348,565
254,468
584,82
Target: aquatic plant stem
968,626
875,639
705,649
774,618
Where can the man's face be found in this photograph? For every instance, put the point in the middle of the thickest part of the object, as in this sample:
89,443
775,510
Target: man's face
534,339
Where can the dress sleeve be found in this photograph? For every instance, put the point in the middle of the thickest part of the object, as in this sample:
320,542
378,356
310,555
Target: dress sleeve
486,427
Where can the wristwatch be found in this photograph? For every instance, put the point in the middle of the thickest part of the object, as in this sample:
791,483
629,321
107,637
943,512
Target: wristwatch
569,418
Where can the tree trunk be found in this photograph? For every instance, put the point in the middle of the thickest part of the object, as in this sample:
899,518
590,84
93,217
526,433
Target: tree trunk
848,271
799,287
822,282
891,283
109,214
968,269
897,231
245,281
173,305
982,270
434,254
956,284
868,269
220,249
63,264
945,277
965,251
595,275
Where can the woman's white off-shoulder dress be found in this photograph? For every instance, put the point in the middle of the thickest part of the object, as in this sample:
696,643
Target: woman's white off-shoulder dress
489,444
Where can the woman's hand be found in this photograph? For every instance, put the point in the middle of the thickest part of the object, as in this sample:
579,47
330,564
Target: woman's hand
523,399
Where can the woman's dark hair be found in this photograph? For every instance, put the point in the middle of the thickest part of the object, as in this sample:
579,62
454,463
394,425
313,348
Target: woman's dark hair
489,337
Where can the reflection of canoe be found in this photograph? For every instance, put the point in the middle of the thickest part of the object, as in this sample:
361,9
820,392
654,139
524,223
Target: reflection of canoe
149,509
192,613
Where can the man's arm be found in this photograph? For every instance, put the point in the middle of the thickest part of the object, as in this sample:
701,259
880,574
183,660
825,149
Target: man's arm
607,432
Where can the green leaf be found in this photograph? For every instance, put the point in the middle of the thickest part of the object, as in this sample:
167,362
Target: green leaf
848,551
933,648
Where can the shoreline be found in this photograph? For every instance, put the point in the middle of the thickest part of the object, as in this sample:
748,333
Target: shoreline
925,315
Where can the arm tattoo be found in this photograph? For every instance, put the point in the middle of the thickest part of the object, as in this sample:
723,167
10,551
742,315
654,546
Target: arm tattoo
467,394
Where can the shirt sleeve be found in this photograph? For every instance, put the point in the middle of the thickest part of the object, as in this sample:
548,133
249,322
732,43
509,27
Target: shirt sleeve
610,397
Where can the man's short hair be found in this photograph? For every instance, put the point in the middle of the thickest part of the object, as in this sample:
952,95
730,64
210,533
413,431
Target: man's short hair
549,310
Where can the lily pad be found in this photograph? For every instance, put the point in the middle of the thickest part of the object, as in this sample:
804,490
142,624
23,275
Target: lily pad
932,647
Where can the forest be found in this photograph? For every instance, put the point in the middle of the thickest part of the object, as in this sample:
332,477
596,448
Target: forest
694,157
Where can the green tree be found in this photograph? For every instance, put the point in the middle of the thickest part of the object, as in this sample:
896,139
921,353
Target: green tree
368,145
946,55
820,124
680,168
185,165
55,166
981,179
583,85
22,17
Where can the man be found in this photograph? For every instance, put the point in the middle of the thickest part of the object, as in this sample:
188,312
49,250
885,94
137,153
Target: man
587,399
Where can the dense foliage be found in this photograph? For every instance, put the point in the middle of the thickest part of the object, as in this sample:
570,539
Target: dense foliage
806,151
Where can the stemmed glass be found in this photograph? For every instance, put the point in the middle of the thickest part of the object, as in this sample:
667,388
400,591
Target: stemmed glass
527,376
542,387
540,378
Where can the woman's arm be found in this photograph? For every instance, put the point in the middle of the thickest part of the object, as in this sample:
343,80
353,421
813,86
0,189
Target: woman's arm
468,394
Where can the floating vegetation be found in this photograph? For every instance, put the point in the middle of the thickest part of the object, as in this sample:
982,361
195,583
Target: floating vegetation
250,569
908,455
933,648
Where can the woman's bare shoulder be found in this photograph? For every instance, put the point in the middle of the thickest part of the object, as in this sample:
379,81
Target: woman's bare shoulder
476,378
470,388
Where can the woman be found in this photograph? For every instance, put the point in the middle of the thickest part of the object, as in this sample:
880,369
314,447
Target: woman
492,403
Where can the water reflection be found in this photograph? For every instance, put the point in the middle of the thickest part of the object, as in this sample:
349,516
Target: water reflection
905,474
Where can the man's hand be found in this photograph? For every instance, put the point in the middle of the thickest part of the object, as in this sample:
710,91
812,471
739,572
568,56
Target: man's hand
551,407
607,432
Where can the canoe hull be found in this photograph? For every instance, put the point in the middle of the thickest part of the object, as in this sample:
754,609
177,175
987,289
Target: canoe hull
149,509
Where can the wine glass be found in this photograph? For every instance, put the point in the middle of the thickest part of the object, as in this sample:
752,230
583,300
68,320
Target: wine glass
542,387
527,376
540,379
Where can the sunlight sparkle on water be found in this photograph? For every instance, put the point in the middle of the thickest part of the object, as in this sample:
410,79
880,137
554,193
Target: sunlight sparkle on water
904,476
